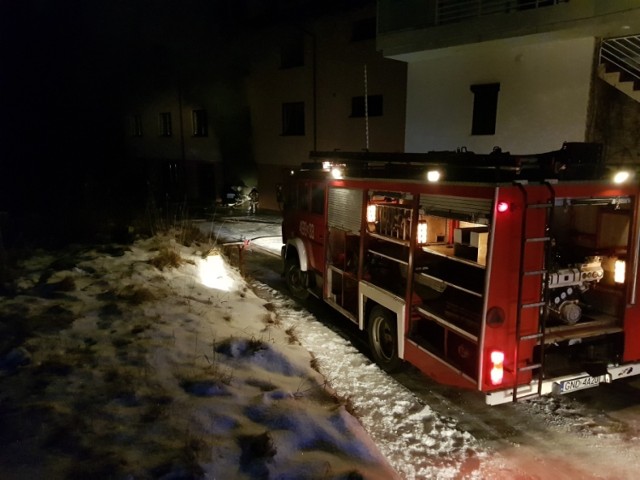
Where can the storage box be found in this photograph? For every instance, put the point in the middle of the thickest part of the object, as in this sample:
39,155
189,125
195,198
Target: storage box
479,239
471,243
469,235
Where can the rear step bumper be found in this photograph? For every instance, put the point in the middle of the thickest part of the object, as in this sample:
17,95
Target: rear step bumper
565,384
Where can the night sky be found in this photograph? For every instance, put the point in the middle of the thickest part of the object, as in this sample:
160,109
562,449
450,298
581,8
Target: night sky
68,70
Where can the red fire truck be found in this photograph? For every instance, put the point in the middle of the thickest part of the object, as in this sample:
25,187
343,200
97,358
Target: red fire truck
515,275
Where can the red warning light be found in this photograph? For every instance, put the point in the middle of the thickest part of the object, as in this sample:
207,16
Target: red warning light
502,207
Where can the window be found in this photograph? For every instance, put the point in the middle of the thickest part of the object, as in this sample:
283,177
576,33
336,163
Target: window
317,198
292,52
290,197
200,123
364,29
136,126
485,107
293,118
165,124
373,106
303,197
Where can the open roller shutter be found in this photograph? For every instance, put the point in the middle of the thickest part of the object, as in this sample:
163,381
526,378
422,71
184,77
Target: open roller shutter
477,210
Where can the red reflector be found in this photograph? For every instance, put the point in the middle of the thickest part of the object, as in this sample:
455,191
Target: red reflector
502,207
497,367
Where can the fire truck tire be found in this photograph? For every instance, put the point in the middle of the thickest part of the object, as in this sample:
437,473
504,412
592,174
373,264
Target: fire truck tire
383,339
296,280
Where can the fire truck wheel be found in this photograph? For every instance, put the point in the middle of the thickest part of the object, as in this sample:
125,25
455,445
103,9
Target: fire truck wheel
383,338
296,280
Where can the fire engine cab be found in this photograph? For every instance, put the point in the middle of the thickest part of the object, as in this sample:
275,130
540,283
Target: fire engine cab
515,275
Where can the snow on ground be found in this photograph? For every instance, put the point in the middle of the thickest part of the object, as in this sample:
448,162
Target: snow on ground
419,443
113,367
114,364
549,438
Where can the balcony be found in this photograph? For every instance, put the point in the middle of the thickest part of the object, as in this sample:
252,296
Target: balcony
448,11
409,26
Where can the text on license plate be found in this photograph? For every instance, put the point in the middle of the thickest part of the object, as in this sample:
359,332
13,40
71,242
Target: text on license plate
579,384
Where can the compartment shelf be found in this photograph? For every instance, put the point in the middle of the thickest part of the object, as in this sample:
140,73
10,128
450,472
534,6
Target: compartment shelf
447,251
432,316
463,275
449,284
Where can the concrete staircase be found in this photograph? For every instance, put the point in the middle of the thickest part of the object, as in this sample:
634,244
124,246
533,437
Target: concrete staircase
620,64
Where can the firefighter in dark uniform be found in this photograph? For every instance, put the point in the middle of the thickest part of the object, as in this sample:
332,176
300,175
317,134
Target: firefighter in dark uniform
253,201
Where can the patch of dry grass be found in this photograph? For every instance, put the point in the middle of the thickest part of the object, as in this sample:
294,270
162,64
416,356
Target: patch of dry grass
271,319
189,235
136,295
166,258
314,363
270,306
291,334
254,345
347,402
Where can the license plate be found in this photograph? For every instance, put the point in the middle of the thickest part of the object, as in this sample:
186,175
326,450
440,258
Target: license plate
579,384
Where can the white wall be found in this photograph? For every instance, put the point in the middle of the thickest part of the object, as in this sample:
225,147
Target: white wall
543,98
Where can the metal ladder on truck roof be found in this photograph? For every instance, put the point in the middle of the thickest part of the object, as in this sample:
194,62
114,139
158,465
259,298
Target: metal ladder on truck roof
543,302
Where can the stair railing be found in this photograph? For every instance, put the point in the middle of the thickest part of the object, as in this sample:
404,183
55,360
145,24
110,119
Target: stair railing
451,11
623,53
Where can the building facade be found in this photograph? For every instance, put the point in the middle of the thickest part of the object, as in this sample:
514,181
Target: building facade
171,140
306,88
522,75
293,79
186,124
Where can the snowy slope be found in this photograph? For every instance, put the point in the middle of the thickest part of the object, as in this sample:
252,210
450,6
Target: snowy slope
114,368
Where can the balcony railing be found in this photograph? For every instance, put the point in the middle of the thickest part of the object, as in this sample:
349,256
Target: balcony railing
622,54
452,11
